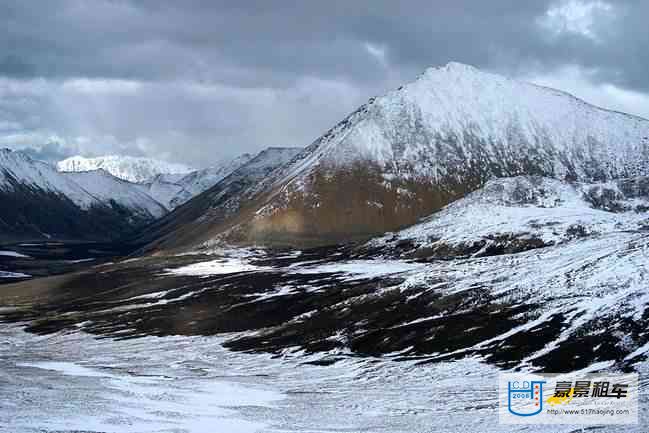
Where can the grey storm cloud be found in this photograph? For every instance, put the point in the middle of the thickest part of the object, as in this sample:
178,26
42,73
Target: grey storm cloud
50,152
195,81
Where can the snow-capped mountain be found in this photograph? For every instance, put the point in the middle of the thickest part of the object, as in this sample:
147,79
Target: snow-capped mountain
406,154
40,202
172,190
133,169
527,248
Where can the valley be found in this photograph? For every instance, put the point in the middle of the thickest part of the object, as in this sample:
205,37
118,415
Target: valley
540,275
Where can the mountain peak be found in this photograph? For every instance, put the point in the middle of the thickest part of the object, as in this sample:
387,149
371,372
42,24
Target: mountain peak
457,66
451,68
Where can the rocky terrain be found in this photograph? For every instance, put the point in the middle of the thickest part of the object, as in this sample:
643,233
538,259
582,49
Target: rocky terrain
549,276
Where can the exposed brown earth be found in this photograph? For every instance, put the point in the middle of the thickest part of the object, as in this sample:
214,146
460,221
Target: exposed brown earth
354,203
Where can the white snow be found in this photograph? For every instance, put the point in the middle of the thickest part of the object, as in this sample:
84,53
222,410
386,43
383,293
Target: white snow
85,189
106,188
457,98
19,167
240,260
14,254
4,274
194,385
151,402
163,188
66,368
133,169
226,265
521,207
360,269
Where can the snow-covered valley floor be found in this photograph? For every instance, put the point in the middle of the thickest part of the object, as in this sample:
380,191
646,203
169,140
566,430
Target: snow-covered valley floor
72,382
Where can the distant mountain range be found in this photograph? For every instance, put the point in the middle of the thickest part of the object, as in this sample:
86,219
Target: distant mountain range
84,201
169,184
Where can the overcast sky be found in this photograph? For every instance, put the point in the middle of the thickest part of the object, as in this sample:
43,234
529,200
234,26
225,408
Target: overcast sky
194,81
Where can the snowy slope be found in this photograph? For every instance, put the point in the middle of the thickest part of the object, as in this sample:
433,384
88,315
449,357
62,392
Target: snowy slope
163,188
578,299
526,272
107,188
196,182
583,287
133,169
523,213
172,190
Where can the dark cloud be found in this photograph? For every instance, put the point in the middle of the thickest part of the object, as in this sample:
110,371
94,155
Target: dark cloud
199,79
